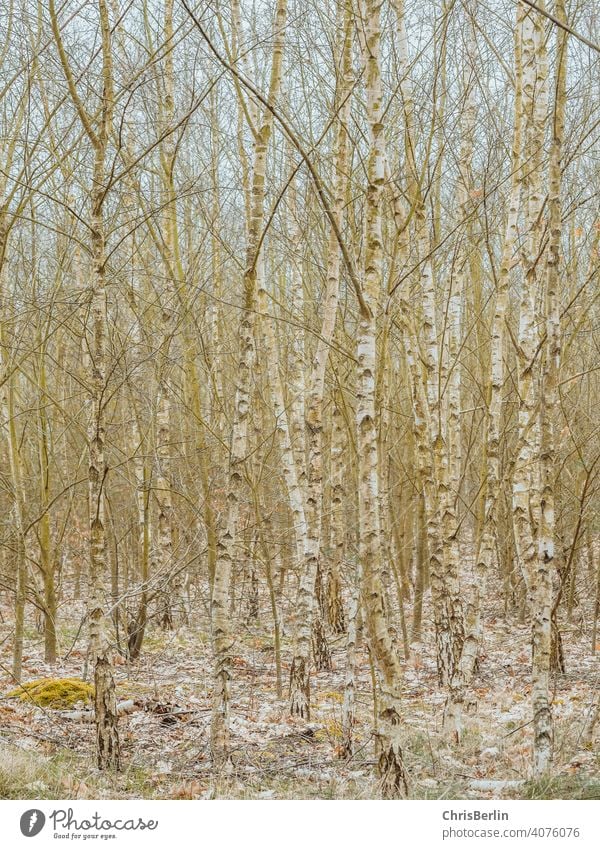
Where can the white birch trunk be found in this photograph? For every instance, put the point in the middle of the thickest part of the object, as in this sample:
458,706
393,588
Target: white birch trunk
306,602
390,761
228,541
527,471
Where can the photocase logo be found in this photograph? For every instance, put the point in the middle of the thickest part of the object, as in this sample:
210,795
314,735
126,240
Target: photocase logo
32,822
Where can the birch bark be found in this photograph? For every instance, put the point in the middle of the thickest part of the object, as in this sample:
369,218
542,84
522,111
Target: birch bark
487,542
306,602
421,345
526,489
228,541
107,738
391,767
163,414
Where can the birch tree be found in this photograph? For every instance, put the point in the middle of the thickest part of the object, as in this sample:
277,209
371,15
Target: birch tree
98,132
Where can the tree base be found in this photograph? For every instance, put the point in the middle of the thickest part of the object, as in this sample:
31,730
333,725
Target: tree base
108,749
300,688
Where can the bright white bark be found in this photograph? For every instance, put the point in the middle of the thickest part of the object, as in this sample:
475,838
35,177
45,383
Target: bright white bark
306,609
527,471
389,744
338,470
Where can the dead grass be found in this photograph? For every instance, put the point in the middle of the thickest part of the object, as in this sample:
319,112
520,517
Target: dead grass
278,757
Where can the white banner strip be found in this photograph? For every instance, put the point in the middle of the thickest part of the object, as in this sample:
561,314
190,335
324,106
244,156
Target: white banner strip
290,824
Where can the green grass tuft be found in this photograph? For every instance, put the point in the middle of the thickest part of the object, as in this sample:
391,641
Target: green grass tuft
54,693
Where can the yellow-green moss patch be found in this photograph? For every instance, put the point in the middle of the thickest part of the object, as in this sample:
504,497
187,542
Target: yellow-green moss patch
54,693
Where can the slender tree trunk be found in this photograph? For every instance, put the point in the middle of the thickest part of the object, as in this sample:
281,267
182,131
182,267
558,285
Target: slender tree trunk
306,607
167,301
391,767
20,560
489,531
551,367
47,561
136,627
527,472
229,539
431,444
348,705
595,558
335,608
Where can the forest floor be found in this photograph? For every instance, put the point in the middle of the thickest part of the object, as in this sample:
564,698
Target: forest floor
45,754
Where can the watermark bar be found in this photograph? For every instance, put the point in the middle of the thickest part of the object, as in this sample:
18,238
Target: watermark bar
273,824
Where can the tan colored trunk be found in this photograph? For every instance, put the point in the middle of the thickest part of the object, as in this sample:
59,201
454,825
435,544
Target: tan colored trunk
420,564
382,403
47,555
136,626
107,740
349,703
167,301
21,571
8,414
